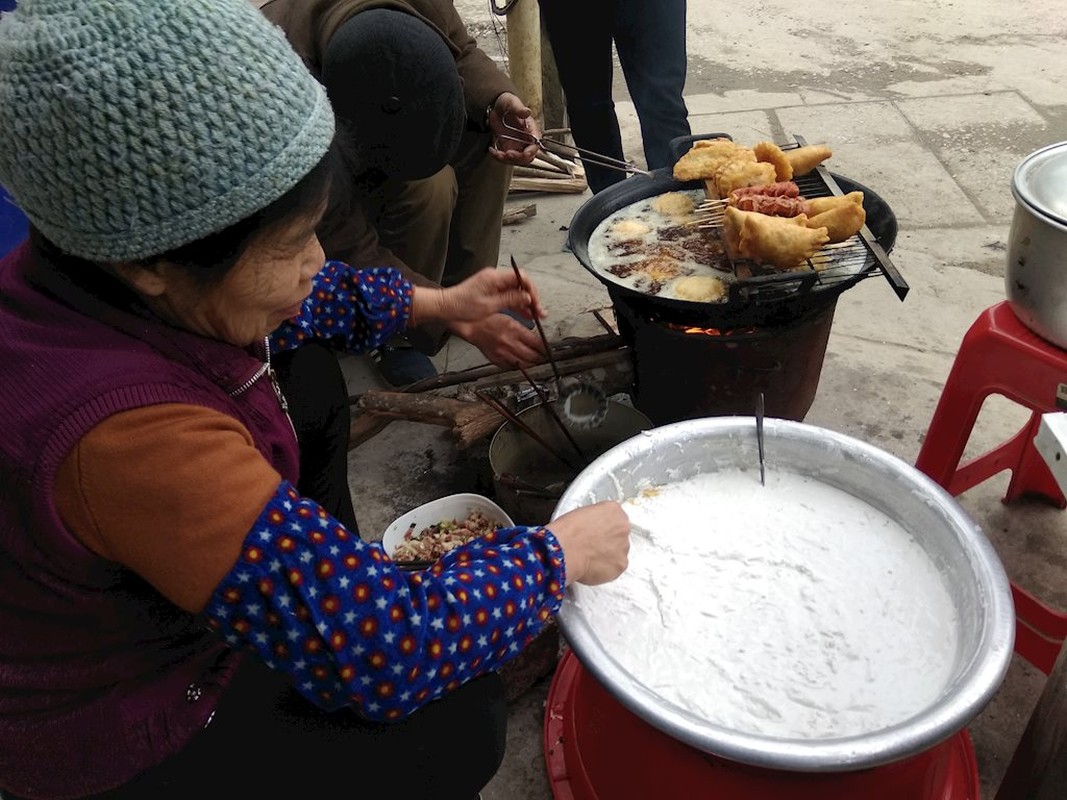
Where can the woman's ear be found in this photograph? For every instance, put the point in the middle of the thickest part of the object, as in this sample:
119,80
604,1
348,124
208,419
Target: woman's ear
149,280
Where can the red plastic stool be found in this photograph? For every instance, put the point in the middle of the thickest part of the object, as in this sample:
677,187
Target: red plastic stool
1000,355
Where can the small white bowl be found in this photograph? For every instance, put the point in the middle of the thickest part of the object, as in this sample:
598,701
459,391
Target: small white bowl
455,506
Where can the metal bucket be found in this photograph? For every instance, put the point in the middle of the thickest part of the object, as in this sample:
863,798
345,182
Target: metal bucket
513,453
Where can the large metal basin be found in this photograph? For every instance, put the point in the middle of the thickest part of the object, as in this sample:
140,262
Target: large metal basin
973,572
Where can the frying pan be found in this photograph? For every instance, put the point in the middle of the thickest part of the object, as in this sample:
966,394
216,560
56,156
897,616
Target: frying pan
742,309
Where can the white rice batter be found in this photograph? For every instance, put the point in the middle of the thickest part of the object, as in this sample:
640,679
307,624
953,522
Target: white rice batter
794,610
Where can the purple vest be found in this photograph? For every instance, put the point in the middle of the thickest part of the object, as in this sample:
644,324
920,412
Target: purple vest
100,676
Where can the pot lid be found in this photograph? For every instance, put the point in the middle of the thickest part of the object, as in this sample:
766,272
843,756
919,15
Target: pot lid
1040,182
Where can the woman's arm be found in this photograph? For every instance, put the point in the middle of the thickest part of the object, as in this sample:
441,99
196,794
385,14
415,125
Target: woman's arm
353,309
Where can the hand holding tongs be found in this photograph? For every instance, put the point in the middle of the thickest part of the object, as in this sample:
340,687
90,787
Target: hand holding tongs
525,137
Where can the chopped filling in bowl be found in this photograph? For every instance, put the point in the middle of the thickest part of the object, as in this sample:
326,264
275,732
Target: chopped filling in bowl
432,542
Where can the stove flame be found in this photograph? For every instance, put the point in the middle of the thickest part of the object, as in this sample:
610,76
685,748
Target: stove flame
692,330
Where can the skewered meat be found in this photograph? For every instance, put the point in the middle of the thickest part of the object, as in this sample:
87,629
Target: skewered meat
779,189
776,206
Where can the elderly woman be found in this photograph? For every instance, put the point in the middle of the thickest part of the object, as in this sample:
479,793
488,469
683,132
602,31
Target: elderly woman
176,619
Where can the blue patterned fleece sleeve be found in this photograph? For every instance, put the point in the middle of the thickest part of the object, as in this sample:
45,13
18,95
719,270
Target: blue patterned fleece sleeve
334,612
357,308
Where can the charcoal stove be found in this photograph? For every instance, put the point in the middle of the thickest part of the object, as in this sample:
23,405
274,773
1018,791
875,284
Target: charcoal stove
768,336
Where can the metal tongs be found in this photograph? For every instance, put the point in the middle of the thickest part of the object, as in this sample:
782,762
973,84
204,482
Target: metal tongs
524,137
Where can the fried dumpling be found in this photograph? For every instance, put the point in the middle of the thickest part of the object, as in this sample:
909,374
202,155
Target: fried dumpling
841,221
706,156
805,159
674,204
699,289
771,153
820,204
783,242
739,174
628,230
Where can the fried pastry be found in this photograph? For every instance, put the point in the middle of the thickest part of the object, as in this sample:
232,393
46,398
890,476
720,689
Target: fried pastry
783,242
840,222
706,156
821,204
771,153
699,289
805,159
673,204
627,230
740,174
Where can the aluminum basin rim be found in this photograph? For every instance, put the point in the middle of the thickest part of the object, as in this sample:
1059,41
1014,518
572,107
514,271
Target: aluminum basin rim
972,688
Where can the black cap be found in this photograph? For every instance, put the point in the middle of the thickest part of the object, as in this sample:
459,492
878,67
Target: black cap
396,92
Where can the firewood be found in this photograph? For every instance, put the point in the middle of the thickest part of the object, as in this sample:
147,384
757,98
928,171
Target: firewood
518,214
566,186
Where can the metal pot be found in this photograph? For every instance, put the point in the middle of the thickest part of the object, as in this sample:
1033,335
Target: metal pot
974,576
528,481
1036,275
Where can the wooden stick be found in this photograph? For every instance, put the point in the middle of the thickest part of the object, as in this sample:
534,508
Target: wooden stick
569,186
537,322
564,350
518,214
556,161
535,173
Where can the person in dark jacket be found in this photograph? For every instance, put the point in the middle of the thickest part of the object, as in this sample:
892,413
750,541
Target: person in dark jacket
184,610
426,115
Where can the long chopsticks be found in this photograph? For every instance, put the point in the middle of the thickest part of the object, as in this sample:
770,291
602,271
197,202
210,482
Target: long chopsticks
505,412
540,330
547,404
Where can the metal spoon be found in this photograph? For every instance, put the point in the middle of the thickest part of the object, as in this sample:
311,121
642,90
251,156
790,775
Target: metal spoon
759,438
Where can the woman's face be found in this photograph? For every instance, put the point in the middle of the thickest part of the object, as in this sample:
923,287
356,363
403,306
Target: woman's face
264,288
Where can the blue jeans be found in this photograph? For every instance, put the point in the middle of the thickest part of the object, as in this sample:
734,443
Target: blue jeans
649,36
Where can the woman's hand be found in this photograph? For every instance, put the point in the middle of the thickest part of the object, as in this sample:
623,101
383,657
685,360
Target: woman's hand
486,292
502,340
595,541
507,114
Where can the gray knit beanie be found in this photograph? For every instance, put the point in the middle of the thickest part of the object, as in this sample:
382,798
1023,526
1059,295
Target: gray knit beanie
131,127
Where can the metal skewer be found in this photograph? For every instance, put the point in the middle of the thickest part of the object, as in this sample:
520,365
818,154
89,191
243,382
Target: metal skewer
525,137
759,438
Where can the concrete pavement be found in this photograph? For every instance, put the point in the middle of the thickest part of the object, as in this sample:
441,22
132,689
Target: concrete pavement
931,104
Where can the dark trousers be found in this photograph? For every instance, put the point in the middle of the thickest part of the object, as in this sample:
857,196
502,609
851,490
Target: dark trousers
649,36
266,741
314,386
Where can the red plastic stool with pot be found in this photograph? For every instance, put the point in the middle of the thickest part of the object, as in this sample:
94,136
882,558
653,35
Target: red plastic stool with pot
1017,349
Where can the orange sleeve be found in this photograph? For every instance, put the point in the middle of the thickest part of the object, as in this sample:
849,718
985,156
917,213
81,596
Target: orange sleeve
169,491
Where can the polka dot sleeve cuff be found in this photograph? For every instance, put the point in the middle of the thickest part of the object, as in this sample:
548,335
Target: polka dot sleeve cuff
335,613
357,308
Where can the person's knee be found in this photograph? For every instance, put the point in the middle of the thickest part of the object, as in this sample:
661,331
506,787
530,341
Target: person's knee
434,195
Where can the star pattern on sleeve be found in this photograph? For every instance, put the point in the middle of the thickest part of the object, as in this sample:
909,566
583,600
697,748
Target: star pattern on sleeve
314,600
357,308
